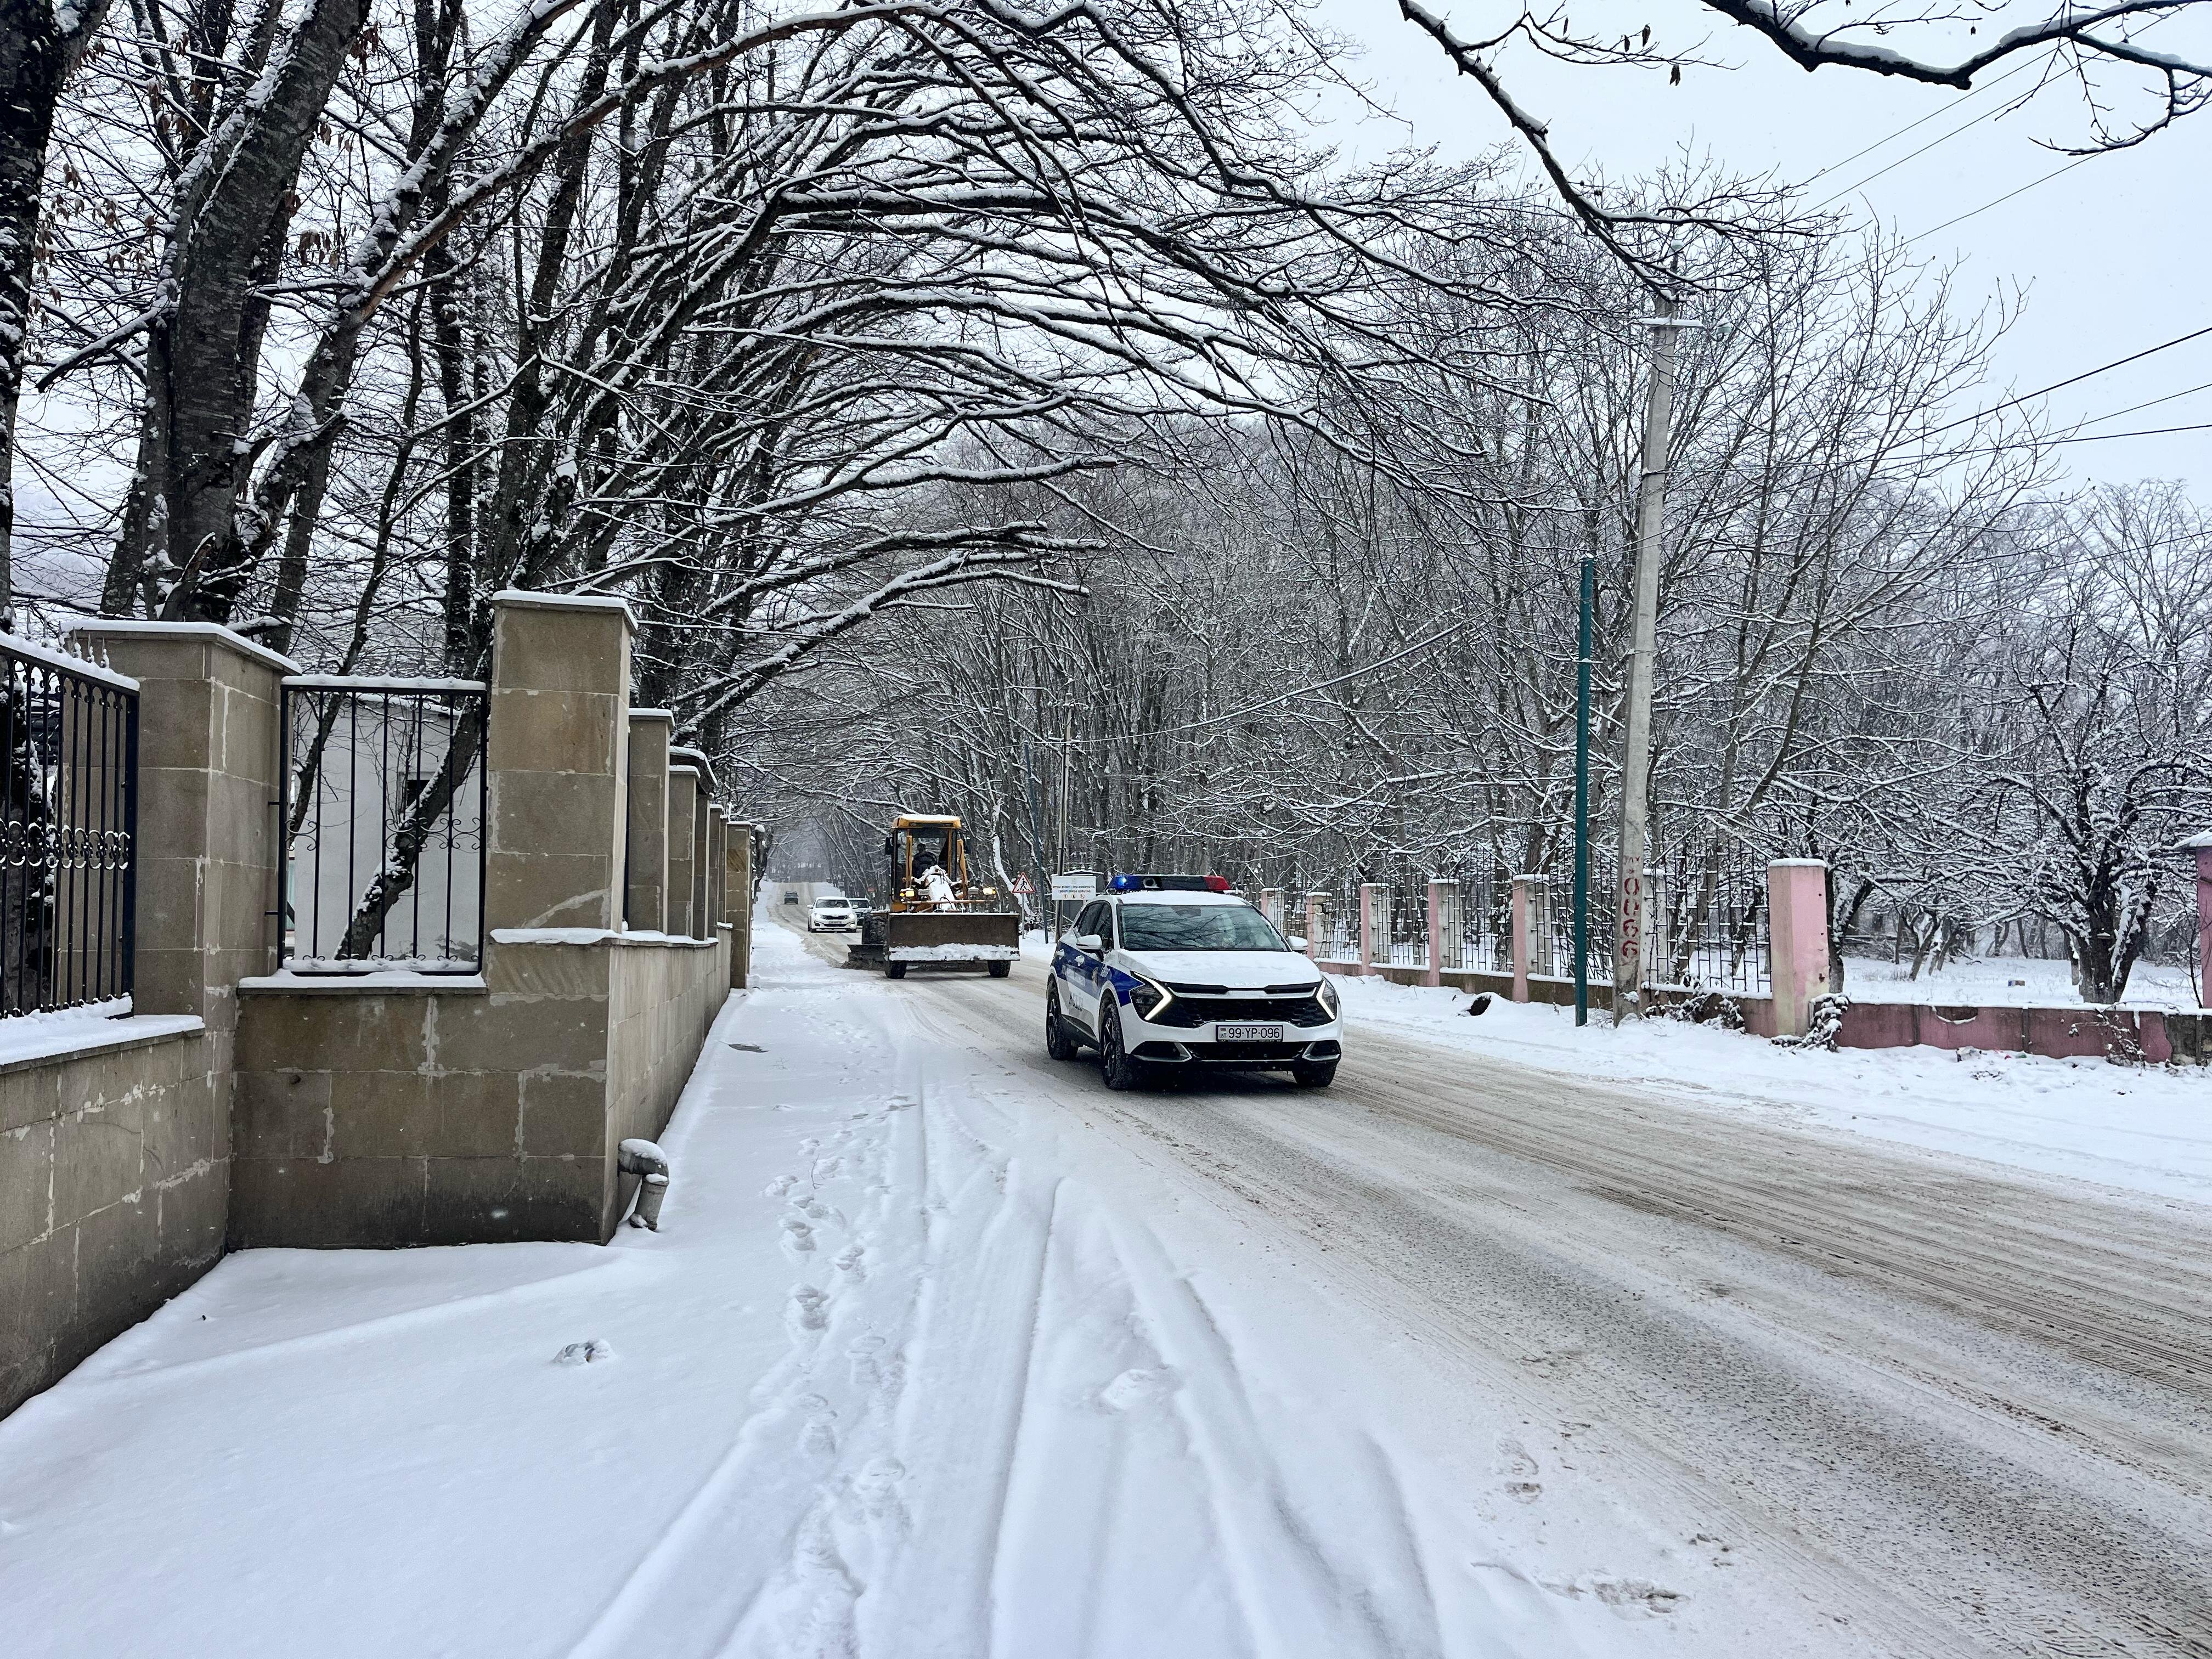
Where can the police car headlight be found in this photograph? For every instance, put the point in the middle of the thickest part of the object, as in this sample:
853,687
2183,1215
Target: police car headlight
1150,998
1325,994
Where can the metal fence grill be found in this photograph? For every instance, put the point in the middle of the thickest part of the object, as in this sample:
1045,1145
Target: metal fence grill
1482,942
1708,923
1340,927
384,802
1552,943
69,825
1407,943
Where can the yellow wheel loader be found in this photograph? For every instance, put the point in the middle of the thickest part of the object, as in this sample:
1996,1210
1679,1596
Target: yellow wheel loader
932,915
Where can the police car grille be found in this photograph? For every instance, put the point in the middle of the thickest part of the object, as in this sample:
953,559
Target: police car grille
1193,1009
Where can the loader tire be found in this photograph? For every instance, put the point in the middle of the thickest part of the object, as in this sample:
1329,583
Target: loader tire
895,971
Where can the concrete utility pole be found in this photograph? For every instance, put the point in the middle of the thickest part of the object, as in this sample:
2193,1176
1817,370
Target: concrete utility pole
1629,896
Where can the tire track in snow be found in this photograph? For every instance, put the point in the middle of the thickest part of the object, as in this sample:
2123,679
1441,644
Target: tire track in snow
1444,1188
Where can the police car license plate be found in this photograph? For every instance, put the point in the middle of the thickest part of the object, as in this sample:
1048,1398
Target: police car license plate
1248,1034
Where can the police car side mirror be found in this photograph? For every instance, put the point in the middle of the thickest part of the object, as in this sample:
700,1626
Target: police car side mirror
1089,942
1298,941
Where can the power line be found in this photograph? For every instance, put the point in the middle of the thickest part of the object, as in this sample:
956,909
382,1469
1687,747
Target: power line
2003,199
2090,438
1947,109
2086,374
2134,408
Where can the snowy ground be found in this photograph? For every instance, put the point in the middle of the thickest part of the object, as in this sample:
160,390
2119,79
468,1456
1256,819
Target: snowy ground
2146,1128
946,1351
2008,982
902,1377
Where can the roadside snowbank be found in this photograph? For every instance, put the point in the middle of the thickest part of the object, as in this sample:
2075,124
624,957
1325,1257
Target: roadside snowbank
2145,1129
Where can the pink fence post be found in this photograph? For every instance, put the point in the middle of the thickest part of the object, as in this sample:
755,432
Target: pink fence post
1527,895
1797,931
1368,931
1271,905
1314,916
2202,845
1443,919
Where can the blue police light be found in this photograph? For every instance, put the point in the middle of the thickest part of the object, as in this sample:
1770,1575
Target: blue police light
1151,884
1126,884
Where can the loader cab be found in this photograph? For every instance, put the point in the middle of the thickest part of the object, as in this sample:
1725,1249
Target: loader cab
914,845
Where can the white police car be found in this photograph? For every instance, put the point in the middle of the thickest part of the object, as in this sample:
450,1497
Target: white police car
1173,972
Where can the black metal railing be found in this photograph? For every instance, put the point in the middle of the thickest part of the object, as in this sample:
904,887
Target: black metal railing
1708,920
69,825
383,812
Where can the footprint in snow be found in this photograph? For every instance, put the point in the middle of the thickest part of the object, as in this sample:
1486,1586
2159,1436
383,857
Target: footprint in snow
810,1307
1630,1598
862,1351
780,1185
1139,1388
584,1353
876,1488
849,1260
820,1434
798,1237
1520,1470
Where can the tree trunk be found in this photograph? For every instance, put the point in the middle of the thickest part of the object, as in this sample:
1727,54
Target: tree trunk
36,51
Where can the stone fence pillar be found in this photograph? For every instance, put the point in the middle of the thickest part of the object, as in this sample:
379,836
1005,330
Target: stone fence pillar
684,817
2202,845
1271,905
1370,935
738,889
718,911
645,907
560,761
1797,933
1316,912
210,755
1532,933
1444,929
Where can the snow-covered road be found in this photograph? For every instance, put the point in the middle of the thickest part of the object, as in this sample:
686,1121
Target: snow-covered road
948,1352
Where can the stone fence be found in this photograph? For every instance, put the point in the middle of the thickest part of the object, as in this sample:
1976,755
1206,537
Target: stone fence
241,1104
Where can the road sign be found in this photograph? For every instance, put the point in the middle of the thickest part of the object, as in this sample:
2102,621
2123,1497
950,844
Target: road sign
1024,887
1076,887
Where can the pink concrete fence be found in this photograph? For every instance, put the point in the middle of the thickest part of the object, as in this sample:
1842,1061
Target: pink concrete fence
1423,940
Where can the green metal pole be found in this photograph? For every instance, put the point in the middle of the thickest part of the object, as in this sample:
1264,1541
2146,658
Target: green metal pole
1582,788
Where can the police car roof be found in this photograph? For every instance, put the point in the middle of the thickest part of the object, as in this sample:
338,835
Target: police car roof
1155,896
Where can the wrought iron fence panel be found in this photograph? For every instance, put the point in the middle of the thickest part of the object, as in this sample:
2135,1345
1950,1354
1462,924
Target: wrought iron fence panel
1708,929
1407,945
1479,936
1339,927
384,814
1553,942
69,828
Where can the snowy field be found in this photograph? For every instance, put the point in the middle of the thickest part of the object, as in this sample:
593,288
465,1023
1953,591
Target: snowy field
2008,982
2146,1128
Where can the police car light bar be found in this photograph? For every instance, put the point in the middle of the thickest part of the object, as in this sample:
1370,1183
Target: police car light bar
1137,883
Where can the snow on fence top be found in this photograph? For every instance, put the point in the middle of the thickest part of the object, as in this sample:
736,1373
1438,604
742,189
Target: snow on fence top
68,662
377,682
236,640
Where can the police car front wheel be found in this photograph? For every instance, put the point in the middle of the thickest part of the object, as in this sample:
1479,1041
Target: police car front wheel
1119,1071
1059,1041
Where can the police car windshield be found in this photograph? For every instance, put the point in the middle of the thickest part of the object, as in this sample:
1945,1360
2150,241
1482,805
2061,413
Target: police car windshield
1197,927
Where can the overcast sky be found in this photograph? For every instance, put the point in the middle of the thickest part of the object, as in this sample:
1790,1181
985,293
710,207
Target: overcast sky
2115,255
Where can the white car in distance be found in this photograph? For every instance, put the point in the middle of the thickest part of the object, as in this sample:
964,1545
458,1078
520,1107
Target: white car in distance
833,915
